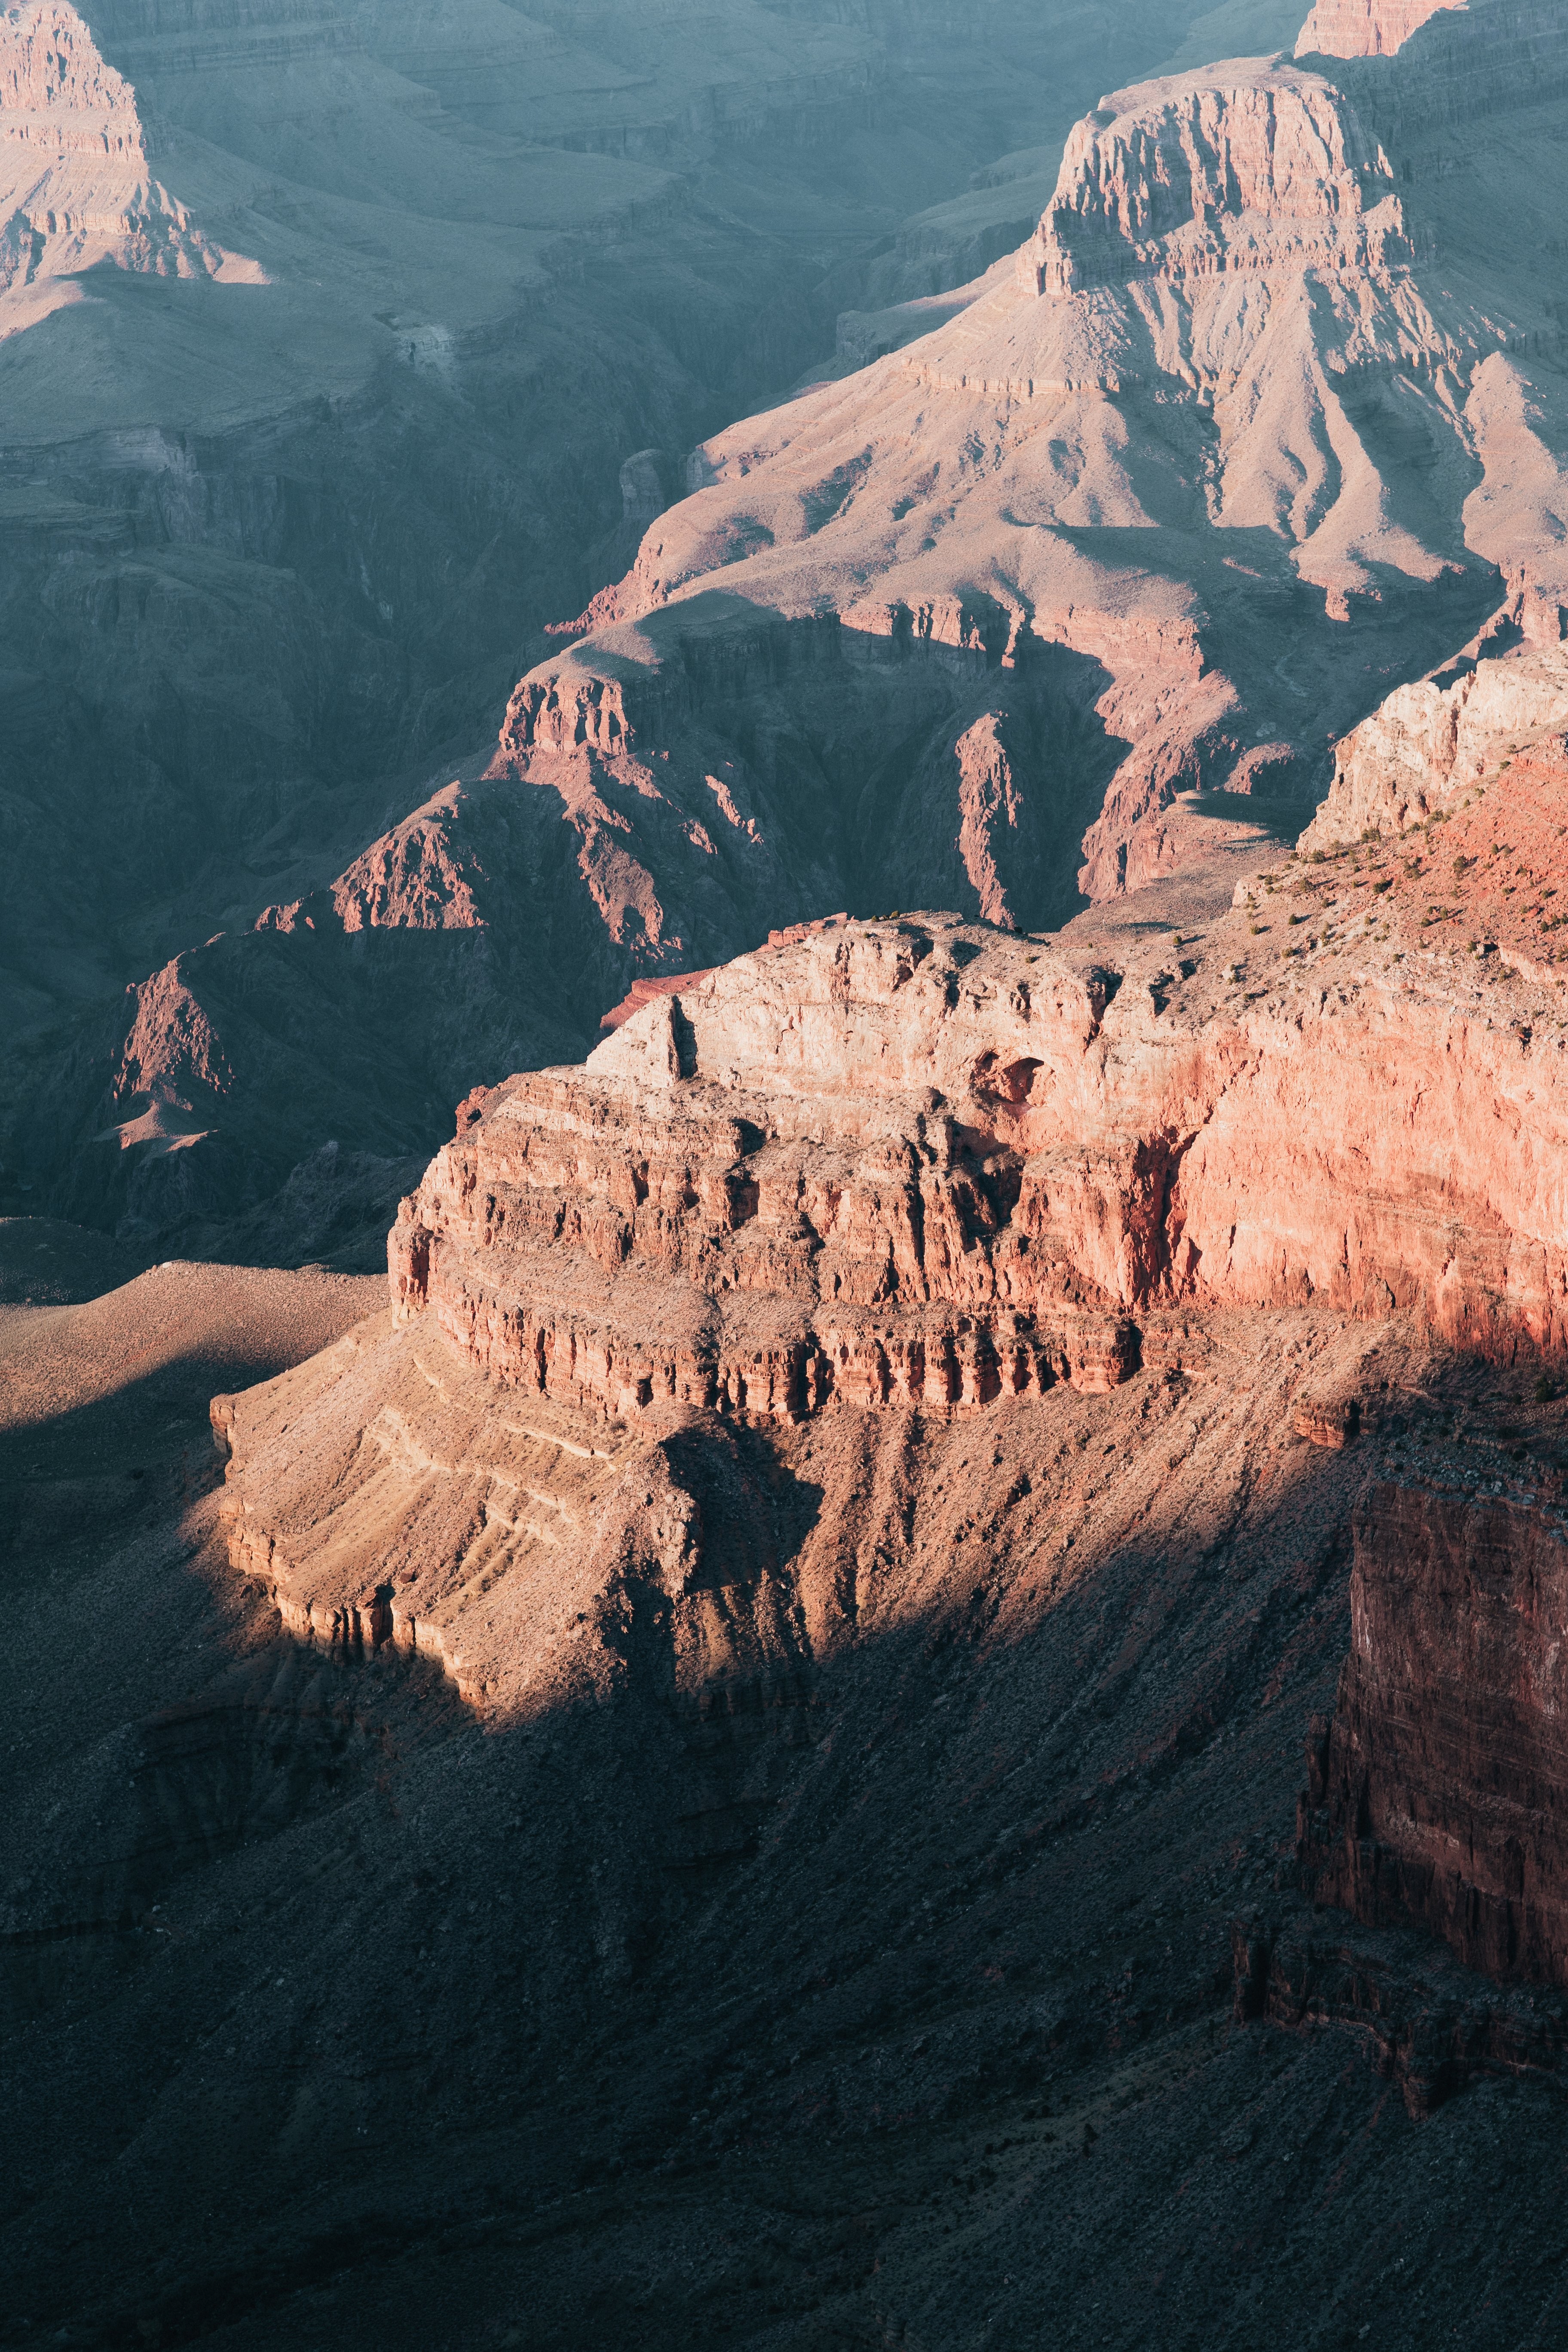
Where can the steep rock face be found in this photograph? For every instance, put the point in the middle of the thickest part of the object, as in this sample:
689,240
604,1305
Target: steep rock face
634,1234
1437,1790
302,534
1430,744
913,1164
912,1176
1455,66
1192,179
75,187
1229,329
969,628
566,1530
1364,28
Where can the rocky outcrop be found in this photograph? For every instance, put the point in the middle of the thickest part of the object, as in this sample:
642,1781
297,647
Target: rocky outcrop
301,536
1428,2024
1196,179
1122,383
639,1233
981,626
1364,28
917,1164
1438,1790
913,1175
75,187
1432,744
1488,885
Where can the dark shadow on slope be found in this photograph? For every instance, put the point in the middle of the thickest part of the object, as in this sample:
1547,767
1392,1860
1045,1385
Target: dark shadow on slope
474,2053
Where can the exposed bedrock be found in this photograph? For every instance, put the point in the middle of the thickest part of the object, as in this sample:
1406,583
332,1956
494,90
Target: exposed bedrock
917,1164
973,626
1363,28
1415,67
1438,1790
1432,744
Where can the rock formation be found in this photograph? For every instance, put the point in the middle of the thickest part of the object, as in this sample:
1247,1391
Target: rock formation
1436,1789
300,534
77,191
723,1761
1426,749
1258,421
924,1169
972,504
1364,28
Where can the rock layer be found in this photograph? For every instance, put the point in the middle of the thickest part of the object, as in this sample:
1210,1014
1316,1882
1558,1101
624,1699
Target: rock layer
1433,742
903,1163
75,187
1364,28
970,625
1229,330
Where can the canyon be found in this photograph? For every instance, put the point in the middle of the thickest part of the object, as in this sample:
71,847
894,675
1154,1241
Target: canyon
743,1619
1248,415
761,1742
319,407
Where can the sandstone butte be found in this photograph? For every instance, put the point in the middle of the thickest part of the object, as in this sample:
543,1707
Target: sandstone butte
879,1176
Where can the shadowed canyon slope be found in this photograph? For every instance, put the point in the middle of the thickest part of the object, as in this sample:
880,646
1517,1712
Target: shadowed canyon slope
930,1169
1259,416
1253,412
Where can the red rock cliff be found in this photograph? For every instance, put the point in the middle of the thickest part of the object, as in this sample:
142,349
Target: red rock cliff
919,1162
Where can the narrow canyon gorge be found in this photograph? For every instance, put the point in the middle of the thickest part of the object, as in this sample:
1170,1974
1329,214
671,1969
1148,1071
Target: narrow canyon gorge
784,1234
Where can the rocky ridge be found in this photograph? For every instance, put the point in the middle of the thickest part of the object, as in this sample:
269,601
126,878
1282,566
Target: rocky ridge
1364,28
1430,744
972,625
1119,383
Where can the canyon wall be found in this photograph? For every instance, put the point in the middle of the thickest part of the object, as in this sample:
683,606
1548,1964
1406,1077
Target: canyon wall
1431,744
919,1163
1437,1788
881,1186
1307,457
1260,423
1364,28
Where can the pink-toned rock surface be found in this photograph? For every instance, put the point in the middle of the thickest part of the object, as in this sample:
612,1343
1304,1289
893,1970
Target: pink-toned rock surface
1253,170
897,1163
643,991
75,187
1364,28
1041,603
1483,882
917,1168
1429,745
912,1174
1226,254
